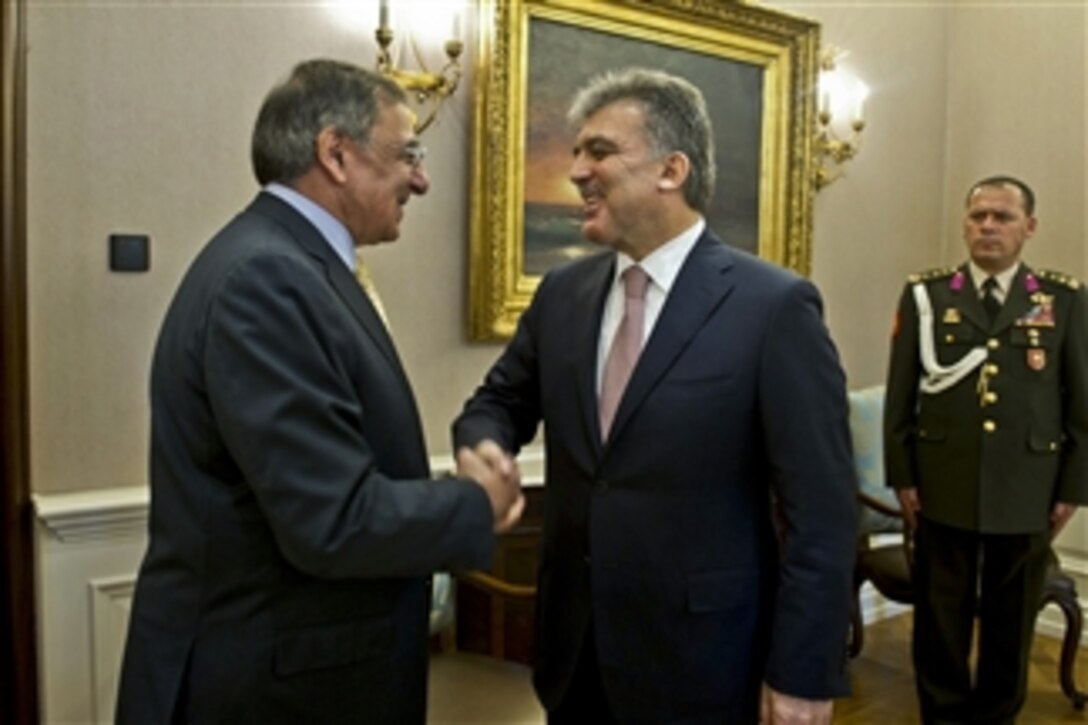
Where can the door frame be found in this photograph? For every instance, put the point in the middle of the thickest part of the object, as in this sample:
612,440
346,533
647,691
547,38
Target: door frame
18,633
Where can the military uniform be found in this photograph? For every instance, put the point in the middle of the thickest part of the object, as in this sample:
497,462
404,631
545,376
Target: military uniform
990,422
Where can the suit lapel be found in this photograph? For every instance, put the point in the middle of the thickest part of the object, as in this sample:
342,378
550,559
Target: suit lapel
700,288
347,287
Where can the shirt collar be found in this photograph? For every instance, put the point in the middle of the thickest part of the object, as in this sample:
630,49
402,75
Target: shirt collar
1004,279
332,229
663,264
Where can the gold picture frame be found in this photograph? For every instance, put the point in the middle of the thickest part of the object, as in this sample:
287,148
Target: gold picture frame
757,68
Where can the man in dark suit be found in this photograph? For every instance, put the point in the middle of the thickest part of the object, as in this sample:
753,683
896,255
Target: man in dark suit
667,593
293,523
986,423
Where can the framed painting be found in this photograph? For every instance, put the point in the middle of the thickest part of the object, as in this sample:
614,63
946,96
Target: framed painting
756,67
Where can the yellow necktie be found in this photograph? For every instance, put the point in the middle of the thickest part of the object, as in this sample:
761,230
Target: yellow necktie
362,273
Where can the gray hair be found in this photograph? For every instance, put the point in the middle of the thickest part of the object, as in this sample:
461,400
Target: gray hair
318,94
676,119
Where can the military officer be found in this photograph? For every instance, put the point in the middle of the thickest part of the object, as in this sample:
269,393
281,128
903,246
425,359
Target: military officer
986,443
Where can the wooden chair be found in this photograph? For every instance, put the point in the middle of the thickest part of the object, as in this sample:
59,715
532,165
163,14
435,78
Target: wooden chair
492,612
468,684
888,565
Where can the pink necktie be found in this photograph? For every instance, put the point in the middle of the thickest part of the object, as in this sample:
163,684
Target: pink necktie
626,346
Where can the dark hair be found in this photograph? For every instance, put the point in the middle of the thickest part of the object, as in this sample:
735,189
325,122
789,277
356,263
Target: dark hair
318,94
676,119
990,181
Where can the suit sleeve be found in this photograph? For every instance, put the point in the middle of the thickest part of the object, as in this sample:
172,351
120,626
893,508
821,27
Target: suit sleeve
901,396
804,417
506,408
1073,479
285,398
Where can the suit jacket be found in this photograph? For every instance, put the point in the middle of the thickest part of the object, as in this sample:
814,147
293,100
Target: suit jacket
993,457
293,527
665,533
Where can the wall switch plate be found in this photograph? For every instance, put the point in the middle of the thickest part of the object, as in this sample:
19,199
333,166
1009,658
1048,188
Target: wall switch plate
130,252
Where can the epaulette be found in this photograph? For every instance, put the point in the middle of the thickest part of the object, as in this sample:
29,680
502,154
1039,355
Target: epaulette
927,275
1057,277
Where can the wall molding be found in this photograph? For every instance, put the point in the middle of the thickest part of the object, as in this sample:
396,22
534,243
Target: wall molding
122,511
94,515
111,601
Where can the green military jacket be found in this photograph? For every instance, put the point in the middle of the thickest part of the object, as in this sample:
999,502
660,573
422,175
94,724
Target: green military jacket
993,451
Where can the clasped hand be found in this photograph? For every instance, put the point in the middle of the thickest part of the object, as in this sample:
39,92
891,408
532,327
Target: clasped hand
498,474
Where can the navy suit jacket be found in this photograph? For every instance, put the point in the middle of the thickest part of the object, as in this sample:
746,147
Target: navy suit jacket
666,533
293,525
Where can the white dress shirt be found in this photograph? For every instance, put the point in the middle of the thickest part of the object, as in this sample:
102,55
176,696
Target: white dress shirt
332,229
661,266
1003,279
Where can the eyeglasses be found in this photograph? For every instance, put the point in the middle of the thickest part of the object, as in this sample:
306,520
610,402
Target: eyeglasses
412,154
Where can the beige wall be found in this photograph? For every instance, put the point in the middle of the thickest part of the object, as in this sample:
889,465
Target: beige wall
1016,105
882,219
139,120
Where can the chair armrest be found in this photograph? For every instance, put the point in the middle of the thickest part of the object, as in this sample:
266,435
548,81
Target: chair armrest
494,585
878,505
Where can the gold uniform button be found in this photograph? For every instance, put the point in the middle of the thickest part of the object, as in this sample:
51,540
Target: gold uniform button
993,343
1053,446
992,369
949,338
991,397
989,426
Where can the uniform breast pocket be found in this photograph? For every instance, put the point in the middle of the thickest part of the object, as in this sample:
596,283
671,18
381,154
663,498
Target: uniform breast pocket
954,340
1035,351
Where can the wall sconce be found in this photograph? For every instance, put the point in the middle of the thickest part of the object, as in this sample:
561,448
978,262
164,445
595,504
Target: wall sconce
841,95
429,89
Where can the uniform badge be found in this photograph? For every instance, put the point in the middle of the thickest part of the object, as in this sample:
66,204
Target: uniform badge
1037,359
951,316
1041,314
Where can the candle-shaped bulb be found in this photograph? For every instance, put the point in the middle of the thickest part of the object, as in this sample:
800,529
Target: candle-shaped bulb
383,14
455,25
861,92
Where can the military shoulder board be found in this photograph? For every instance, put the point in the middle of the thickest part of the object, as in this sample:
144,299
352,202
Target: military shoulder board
930,274
1057,277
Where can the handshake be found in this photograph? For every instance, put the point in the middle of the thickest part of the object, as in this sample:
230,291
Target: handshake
498,475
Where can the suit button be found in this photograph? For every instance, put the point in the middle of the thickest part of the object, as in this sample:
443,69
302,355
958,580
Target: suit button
993,343
992,369
949,338
989,426
991,397
601,487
